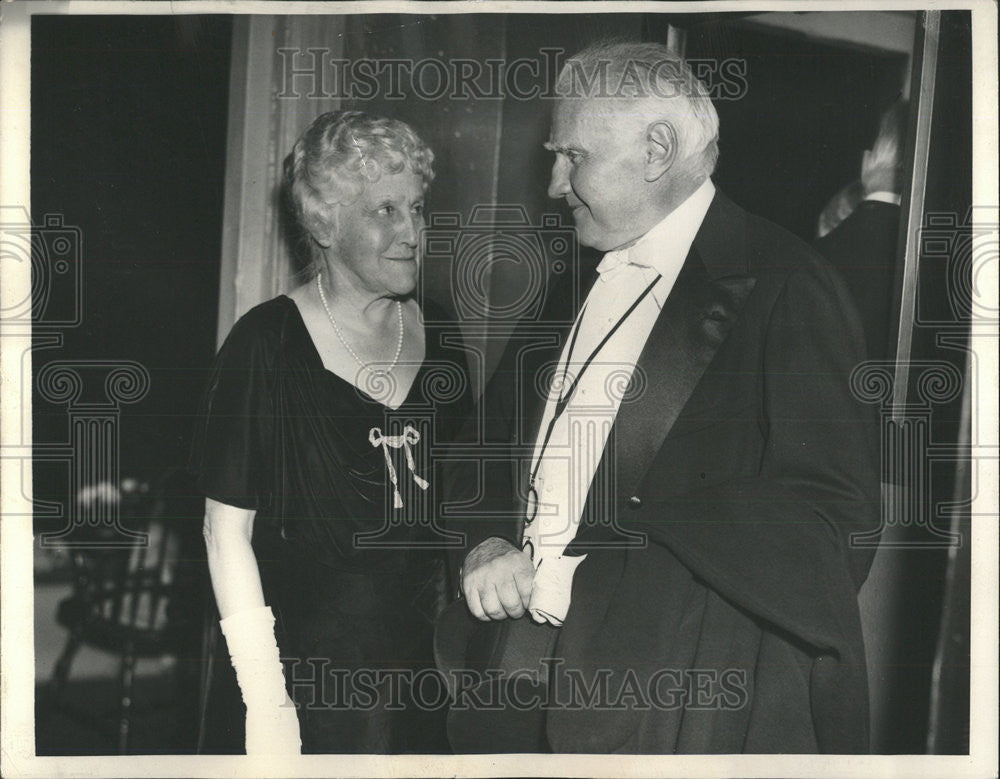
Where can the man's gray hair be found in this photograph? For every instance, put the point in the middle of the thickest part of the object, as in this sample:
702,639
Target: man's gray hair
649,71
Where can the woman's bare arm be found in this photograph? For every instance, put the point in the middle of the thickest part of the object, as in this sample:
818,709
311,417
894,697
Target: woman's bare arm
272,725
231,561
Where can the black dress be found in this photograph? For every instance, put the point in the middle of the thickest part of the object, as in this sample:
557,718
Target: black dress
352,565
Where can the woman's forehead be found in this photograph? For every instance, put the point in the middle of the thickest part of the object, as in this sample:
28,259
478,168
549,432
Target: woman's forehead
403,185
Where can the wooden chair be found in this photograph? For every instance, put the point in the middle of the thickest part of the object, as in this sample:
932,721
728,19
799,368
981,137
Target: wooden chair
138,602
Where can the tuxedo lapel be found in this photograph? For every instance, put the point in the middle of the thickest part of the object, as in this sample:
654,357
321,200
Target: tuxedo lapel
694,322
702,307
696,317
704,303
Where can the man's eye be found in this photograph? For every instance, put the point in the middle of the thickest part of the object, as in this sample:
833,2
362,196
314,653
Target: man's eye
387,210
573,156
418,208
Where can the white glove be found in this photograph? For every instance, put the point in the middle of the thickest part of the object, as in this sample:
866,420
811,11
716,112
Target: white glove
272,726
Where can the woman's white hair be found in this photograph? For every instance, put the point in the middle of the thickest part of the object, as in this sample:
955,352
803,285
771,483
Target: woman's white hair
656,74
338,155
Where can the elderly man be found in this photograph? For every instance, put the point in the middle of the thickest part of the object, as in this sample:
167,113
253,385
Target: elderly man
676,538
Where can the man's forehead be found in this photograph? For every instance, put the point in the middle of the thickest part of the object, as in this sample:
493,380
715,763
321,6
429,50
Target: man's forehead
576,121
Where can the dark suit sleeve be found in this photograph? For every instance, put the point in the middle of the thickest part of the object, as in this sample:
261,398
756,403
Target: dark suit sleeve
478,488
863,249
778,543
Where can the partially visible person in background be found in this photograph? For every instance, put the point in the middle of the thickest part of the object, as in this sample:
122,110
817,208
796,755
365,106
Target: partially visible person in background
304,447
864,246
839,207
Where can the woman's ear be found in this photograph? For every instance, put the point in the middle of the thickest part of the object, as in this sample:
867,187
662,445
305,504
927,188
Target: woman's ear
322,237
661,149
323,227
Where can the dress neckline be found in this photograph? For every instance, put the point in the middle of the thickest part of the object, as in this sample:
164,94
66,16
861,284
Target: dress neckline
318,359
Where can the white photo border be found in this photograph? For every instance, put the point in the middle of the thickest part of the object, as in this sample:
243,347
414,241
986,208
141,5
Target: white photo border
17,735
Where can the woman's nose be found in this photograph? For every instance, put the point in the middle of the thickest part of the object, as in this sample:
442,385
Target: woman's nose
409,231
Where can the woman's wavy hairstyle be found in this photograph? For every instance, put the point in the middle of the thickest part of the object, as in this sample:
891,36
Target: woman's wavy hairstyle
338,155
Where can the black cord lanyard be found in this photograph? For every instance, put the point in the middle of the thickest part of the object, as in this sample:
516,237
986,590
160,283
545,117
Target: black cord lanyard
563,400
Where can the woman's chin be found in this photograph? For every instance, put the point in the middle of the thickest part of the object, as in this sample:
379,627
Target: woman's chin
404,280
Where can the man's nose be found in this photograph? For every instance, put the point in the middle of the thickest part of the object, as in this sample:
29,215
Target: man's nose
559,182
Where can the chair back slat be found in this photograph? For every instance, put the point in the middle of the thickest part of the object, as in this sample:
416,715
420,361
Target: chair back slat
131,588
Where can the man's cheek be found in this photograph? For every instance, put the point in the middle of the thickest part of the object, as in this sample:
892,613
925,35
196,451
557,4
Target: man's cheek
584,225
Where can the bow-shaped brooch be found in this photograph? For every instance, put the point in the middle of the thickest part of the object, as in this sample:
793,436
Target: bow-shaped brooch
409,437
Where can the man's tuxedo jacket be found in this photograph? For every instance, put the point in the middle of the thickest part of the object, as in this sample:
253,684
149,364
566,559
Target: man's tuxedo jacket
718,527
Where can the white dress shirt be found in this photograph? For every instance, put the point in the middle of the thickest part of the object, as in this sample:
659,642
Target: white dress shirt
882,196
574,451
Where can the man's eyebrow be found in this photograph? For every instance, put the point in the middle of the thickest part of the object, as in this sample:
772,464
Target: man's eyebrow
559,148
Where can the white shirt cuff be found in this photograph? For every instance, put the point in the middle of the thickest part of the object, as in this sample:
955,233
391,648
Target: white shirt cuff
552,589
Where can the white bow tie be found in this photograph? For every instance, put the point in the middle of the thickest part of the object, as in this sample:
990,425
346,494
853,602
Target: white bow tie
614,261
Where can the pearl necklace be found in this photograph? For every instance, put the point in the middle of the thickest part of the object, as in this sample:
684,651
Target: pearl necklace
340,335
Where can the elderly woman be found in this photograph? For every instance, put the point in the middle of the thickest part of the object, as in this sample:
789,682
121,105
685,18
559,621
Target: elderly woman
309,439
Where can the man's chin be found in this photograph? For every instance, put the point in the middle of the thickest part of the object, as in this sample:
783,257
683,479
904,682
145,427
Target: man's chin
596,242
585,233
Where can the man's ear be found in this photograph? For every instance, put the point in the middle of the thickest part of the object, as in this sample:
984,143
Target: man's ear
661,149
